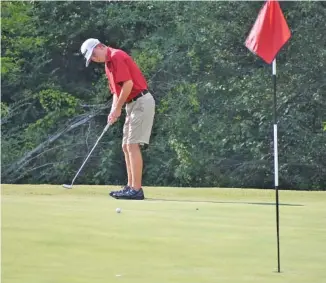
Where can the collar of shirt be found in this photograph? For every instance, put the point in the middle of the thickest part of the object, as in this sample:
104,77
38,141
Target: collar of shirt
108,55
108,61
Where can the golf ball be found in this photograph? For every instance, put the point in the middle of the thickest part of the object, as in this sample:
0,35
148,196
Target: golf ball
118,210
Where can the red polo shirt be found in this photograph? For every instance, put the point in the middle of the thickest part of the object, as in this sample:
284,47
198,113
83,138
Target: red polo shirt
120,67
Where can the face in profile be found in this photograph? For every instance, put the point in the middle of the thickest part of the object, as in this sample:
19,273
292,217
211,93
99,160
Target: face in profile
99,54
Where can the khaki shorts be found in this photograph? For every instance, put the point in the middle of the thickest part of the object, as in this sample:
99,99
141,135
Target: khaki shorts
139,120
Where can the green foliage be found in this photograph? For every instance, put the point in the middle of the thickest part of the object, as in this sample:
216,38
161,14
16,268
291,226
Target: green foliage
53,100
213,124
4,110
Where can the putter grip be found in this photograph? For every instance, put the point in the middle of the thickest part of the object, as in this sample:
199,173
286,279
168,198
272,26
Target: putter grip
106,128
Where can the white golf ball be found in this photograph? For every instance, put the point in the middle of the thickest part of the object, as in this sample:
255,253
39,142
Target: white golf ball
118,210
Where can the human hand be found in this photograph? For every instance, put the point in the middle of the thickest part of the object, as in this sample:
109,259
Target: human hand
114,115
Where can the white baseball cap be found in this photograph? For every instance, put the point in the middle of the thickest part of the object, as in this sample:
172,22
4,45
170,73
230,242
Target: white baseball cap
88,47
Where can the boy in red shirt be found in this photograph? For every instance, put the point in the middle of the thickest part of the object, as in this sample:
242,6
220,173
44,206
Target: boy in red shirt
129,87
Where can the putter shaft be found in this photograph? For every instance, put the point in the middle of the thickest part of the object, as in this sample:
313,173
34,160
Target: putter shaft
73,180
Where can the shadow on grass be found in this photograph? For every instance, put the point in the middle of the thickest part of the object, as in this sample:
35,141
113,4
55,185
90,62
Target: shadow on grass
232,202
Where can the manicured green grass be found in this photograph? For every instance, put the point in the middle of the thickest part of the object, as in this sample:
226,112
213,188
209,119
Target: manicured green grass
195,235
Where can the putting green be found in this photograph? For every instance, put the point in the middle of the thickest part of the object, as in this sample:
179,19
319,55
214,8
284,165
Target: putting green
50,234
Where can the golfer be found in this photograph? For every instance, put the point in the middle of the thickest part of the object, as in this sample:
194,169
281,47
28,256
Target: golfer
129,87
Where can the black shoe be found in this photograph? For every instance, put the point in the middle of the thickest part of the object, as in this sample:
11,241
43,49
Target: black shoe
131,194
123,190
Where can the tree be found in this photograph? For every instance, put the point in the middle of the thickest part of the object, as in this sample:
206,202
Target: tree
214,99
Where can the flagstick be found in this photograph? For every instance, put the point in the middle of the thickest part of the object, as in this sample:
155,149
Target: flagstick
276,171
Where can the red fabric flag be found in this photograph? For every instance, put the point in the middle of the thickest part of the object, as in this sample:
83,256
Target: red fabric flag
269,33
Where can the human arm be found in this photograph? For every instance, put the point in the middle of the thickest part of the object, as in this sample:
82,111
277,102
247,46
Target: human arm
113,105
119,102
122,76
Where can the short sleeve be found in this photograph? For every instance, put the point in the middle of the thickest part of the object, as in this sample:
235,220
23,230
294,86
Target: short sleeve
121,70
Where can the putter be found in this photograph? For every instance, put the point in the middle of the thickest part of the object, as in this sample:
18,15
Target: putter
73,180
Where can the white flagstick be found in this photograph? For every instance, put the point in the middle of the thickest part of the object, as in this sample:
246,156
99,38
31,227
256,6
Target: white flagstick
275,129
276,171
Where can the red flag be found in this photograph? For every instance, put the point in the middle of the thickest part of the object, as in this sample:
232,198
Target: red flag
269,33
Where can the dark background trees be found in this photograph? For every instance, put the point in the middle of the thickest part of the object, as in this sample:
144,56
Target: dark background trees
213,124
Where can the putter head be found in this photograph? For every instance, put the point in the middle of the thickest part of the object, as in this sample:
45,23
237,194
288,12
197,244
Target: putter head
67,186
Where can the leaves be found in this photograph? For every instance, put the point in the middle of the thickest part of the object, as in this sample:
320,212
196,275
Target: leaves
213,124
